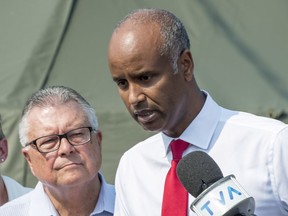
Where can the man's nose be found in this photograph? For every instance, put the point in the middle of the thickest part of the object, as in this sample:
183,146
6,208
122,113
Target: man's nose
136,94
65,147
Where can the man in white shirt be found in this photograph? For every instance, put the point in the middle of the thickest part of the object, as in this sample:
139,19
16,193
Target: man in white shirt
9,188
61,142
13,188
151,63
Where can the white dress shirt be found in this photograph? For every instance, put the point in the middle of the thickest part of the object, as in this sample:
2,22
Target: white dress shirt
37,203
14,189
254,149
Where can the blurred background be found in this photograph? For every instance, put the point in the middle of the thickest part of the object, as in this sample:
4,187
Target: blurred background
240,50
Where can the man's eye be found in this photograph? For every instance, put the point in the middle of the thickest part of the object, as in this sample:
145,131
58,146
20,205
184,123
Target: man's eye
121,83
48,141
145,78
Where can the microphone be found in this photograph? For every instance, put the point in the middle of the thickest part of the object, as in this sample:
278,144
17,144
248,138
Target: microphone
215,195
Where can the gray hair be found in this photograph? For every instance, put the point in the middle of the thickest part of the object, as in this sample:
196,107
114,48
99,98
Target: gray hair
51,96
174,36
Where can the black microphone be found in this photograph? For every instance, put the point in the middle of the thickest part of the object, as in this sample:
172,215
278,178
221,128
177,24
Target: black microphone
215,195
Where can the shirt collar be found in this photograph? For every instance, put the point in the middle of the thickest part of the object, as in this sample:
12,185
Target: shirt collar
105,201
40,202
201,129
106,197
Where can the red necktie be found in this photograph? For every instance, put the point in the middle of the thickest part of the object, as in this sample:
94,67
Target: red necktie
175,198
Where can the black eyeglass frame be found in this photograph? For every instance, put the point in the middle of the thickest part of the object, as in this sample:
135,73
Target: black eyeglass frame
60,136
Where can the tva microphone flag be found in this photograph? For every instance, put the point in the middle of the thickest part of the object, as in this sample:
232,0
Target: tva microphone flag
215,195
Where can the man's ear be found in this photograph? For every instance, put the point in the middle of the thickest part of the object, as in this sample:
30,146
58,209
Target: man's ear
3,149
28,159
187,65
99,138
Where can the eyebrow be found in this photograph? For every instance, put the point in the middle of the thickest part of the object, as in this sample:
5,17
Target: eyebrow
115,79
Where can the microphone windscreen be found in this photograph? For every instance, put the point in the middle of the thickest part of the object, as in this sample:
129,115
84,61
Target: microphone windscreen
197,171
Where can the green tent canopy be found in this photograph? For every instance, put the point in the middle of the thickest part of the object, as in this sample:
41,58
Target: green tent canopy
240,50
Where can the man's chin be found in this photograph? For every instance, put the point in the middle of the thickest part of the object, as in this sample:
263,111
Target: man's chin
150,127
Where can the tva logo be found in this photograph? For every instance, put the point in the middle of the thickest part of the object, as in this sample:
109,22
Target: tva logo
224,196
223,199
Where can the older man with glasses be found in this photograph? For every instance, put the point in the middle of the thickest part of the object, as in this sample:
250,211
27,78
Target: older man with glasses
62,143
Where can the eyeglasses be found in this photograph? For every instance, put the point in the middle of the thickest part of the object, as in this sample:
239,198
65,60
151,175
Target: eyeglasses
75,137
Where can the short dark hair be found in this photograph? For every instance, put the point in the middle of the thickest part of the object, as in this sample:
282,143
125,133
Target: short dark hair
174,35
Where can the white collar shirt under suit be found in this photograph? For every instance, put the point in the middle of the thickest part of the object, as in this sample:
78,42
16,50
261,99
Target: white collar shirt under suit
37,203
254,149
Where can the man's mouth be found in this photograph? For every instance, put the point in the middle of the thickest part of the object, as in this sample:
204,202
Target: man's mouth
145,116
68,165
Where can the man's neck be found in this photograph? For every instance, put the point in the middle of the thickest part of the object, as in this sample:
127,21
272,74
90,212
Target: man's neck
80,200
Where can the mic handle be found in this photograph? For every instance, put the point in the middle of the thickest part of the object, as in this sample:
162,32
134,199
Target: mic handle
224,198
